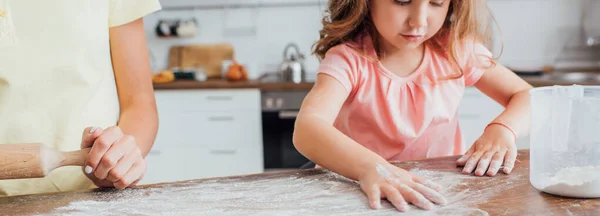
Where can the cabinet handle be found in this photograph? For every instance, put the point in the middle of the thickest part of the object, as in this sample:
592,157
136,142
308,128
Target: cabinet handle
223,152
219,98
220,118
288,114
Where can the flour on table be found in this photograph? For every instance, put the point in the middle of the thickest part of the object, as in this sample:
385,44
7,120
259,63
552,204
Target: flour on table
324,193
580,182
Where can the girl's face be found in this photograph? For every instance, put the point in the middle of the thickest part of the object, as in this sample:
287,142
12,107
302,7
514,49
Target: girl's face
408,23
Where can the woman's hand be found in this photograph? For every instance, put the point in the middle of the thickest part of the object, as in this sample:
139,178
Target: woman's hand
399,187
496,147
115,160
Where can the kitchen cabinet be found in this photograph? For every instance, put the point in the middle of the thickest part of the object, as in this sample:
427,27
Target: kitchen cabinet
475,112
206,133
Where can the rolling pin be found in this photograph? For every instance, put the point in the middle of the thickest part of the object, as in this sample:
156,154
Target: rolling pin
34,160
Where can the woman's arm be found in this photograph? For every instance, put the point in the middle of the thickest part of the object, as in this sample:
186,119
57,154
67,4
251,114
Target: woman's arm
131,66
317,139
497,145
118,152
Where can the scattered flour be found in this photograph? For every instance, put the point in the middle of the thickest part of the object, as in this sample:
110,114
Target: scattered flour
580,182
324,193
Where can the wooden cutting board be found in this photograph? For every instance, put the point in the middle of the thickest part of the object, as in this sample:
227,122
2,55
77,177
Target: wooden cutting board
208,56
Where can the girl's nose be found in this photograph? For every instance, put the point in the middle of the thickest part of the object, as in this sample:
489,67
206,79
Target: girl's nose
418,17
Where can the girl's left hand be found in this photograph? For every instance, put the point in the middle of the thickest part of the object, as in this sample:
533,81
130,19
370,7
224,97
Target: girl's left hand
115,159
496,147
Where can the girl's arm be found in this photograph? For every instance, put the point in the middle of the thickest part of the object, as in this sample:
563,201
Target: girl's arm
317,139
118,152
497,145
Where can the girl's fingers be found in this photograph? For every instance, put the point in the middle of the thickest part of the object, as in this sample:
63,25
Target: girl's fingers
415,197
509,160
484,163
471,162
426,182
374,196
393,195
430,194
462,160
496,163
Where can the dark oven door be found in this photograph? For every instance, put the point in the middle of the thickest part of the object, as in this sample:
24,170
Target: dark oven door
279,150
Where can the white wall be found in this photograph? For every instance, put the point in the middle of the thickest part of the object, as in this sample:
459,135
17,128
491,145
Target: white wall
533,31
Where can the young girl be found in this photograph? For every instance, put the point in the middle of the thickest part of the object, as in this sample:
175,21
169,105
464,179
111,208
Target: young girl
66,66
392,75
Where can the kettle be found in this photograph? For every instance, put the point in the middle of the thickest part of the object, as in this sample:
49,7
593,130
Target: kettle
292,67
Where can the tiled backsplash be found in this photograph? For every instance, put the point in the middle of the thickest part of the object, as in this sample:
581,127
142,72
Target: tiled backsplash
533,31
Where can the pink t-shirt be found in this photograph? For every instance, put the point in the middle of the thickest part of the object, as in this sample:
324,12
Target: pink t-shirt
402,118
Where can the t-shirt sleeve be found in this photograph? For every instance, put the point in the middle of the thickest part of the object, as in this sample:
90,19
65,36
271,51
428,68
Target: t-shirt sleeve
125,11
340,64
478,59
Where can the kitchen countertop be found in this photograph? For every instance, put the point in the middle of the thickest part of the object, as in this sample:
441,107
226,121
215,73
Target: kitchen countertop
283,86
537,81
223,84
308,192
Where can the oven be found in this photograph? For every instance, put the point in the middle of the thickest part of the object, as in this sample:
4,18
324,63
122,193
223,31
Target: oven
279,111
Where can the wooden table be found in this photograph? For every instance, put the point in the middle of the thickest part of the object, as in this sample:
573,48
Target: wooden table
308,192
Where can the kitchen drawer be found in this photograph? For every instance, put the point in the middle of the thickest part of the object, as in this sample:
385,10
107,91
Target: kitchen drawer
218,129
165,165
207,100
219,162
181,164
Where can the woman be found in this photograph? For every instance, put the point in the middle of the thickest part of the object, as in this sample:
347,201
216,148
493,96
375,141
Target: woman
74,66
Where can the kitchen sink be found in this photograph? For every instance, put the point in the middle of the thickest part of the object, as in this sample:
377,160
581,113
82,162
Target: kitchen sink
572,76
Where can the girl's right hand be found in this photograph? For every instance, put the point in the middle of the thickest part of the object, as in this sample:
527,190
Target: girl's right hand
399,187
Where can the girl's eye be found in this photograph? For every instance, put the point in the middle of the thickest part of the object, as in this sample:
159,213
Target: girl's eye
437,3
402,2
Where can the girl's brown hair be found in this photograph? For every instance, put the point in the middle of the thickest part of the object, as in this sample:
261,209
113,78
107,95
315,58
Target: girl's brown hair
466,20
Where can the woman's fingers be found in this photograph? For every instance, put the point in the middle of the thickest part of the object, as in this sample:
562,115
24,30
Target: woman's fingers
134,174
101,146
89,135
122,167
111,159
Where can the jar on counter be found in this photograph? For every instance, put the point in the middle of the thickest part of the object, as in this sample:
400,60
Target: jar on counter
565,140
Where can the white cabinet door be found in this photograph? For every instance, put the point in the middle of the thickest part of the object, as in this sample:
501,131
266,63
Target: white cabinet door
207,100
210,129
206,133
223,162
164,165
